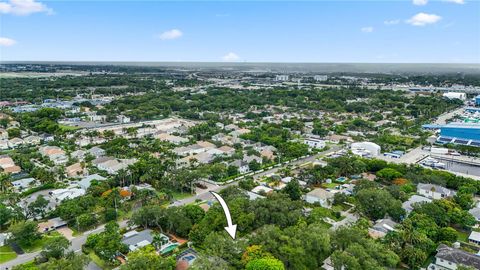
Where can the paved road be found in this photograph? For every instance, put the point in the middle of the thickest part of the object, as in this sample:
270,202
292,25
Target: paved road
76,246
78,242
206,195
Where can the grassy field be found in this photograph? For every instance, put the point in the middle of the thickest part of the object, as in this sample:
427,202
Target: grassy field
38,244
7,254
330,185
101,263
462,236
67,128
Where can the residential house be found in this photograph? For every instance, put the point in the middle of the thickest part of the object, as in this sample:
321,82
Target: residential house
51,225
170,138
338,138
96,152
62,194
314,142
434,191
4,237
262,190
8,165
206,145
135,240
189,150
15,142
33,140
75,170
474,238
267,153
251,158
54,153
4,145
449,258
227,150
215,152
412,201
382,227
86,182
112,165
237,133
224,139
319,195
78,154
3,134
241,165
200,158
476,213
23,184
231,127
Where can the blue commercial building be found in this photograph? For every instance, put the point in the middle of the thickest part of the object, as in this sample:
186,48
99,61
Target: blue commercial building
477,100
458,133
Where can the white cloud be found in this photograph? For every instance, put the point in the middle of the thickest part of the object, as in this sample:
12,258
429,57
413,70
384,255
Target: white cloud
460,2
420,2
7,42
24,7
230,57
171,34
366,29
422,19
391,22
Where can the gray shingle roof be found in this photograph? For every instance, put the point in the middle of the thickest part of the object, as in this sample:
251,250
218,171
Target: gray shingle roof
458,256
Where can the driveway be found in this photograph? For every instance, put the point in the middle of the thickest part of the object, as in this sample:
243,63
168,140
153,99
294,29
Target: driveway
75,246
67,232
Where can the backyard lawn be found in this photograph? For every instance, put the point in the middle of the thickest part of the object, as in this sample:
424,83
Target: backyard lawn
330,185
7,254
38,244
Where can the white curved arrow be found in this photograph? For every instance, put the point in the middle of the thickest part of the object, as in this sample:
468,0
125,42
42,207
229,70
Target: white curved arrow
231,228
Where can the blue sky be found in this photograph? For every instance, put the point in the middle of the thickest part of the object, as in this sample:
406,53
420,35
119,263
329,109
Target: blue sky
315,31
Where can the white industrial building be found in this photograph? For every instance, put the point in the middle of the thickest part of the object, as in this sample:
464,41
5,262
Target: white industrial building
454,95
281,78
365,149
314,142
320,78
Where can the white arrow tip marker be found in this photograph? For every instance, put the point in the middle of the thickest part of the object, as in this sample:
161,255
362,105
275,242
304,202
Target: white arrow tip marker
231,228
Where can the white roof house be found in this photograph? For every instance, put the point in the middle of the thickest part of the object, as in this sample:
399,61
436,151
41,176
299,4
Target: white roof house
415,199
474,238
434,191
449,258
262,189
365,149
96,151
23,184
314,142
319,195
382,227
475,212
87,181
66,193
135,240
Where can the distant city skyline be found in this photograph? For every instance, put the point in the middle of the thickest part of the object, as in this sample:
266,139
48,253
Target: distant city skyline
418,31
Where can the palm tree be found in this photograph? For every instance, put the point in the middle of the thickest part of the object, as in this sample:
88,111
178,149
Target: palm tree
159,240
5,182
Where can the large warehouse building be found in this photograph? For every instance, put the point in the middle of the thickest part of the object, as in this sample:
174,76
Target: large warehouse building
458,133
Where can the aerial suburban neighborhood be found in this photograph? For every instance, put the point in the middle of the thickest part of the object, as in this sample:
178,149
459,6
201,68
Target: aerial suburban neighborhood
240,135
125,175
